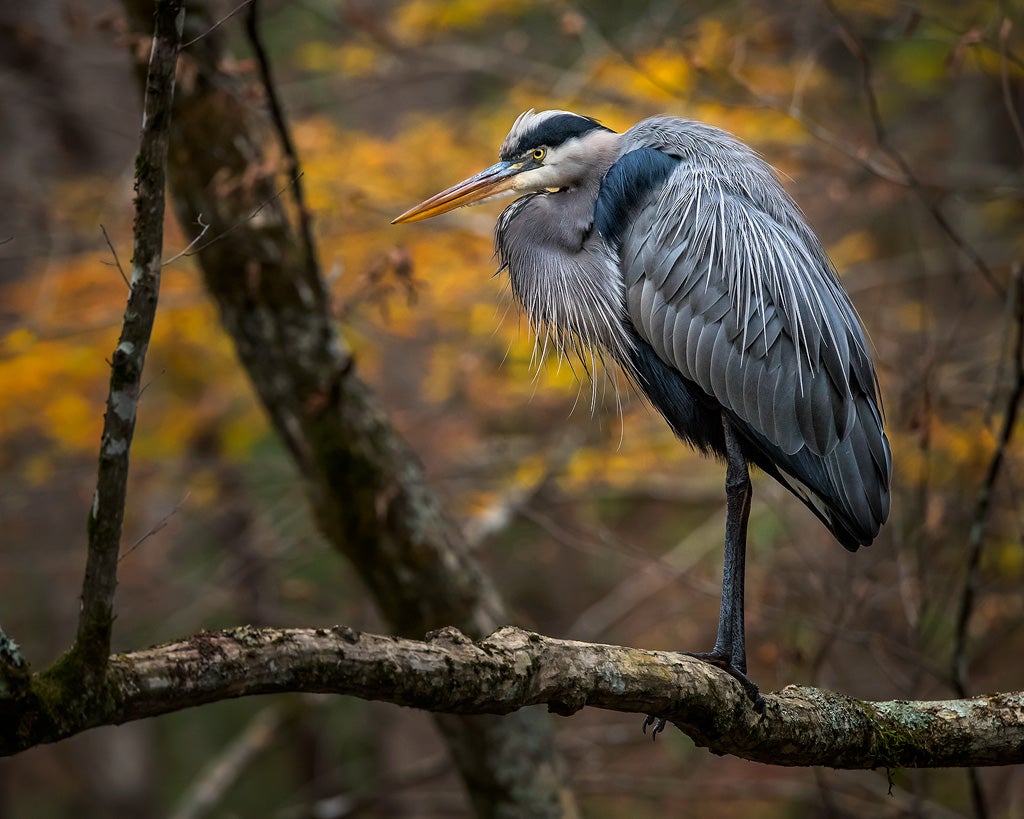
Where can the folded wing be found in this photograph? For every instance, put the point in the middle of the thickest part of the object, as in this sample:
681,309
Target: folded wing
732,291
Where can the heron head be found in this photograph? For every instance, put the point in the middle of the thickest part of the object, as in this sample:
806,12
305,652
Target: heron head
545,150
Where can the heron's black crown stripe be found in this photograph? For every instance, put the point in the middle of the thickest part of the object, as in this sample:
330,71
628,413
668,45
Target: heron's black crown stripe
551,132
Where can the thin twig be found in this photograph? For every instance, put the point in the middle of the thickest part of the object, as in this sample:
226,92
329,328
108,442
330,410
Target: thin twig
791,109
856,48
106,517
597,620
374,793
219,23
824,135
1008,321
983,503
1004,78
204,794
283,134
117,261
239,223
190,245
160,524
498,515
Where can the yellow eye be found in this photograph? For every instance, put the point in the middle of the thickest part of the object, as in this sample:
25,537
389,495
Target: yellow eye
538,153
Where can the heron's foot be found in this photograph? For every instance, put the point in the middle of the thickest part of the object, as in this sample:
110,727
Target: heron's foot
725,663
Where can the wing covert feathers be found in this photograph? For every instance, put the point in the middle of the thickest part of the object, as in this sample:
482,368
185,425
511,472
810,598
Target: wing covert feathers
732,290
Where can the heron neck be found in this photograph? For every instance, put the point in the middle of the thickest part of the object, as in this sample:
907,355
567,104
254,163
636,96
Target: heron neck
571,209
604,150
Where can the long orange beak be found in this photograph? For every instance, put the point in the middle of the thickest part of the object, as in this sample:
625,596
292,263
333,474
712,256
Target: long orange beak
495,180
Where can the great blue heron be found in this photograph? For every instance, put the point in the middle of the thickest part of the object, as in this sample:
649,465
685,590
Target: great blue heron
673,248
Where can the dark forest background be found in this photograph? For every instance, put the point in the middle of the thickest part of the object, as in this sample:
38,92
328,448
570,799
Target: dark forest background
895,125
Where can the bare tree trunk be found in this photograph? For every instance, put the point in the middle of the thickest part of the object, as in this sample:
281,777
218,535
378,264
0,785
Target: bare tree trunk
366,488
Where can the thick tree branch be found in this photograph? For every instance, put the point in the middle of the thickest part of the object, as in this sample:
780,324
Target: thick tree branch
514,668
107,513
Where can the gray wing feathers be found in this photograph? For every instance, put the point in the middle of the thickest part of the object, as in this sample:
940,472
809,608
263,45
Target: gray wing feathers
857,457
728,284
760,292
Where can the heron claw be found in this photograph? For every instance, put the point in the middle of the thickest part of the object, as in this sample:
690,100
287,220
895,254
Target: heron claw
658,723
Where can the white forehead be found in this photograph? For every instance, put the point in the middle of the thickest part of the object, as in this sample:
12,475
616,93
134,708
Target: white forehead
526,123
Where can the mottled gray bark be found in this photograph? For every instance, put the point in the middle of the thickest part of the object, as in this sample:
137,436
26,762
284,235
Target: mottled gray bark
92,644
514,668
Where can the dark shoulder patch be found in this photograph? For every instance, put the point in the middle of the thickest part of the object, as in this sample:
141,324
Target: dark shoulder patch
551,132
626,186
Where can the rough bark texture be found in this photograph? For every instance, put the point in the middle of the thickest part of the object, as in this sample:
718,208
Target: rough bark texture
366,488
514,668
92,645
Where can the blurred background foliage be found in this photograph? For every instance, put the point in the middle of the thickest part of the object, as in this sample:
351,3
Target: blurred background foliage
895,125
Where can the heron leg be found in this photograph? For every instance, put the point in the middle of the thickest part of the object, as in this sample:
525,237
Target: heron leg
730,652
